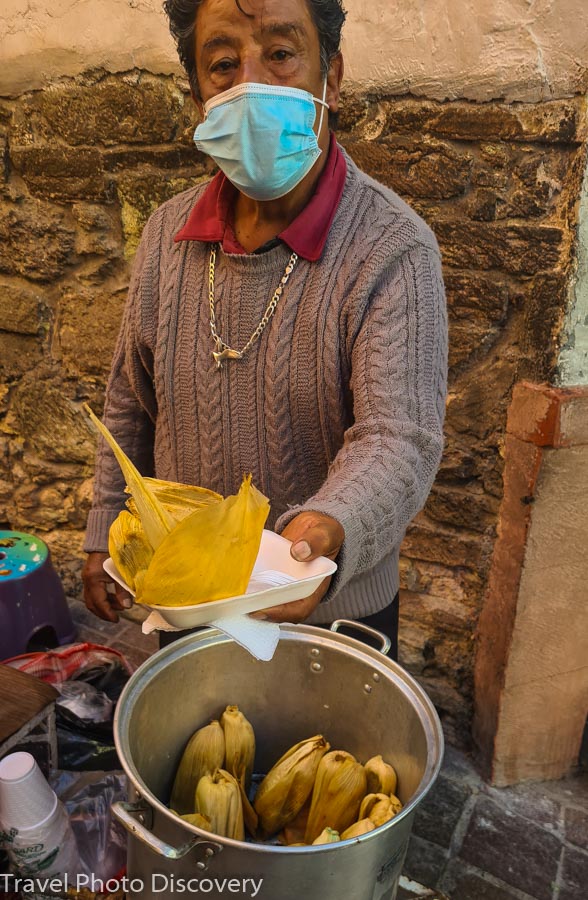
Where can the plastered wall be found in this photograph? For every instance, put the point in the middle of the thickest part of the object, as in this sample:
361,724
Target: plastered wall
474,49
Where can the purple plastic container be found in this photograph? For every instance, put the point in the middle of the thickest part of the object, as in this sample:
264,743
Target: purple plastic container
33,610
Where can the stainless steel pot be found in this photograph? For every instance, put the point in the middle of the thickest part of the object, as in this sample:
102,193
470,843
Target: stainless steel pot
318,682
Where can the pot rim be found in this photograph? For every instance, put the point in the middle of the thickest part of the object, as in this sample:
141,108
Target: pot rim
213,637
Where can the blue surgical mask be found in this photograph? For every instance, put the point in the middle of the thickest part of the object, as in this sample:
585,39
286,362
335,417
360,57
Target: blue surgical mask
262,137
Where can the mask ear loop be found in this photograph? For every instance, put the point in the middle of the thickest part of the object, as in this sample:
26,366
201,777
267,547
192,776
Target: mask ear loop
323,105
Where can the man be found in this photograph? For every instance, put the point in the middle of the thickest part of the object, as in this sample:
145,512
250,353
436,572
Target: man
286,319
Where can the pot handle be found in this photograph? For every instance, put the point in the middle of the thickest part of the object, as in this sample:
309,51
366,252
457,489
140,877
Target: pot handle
359,626
125,813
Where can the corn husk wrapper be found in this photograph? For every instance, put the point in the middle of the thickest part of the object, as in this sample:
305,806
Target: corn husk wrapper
327,836
287,786
129,548
178,499
197,820
219,799
357,829
210,554
204,753
156,521
239,745
381,777
380,808
294,831
239,757
339,788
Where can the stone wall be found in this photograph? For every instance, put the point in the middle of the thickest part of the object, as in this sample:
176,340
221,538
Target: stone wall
84,163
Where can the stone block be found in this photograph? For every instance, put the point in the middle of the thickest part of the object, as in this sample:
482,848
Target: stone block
435,544
420,168
479,398
140,195
424,862
512,848
576,827
552,122
516,249
25,310
49,422
443,617
462,508
464,883
36,240
19,353
176,157
113,111
88,323
574,875
437,816
98,232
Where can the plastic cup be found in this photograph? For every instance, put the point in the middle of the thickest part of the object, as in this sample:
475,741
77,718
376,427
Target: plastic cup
26,799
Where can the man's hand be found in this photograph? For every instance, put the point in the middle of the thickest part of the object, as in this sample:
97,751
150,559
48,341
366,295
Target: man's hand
312,534
100,601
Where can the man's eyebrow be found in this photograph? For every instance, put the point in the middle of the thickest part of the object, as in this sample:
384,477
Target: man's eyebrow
284,29
219,40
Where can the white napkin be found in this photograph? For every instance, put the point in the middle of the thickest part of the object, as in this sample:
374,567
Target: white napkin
260,638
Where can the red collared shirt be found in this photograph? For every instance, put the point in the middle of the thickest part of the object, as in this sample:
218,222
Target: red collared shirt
210,219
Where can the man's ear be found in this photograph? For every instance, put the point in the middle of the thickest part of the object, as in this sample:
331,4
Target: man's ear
198,103
334,79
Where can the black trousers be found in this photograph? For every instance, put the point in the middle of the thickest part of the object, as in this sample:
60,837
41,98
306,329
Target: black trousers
386,621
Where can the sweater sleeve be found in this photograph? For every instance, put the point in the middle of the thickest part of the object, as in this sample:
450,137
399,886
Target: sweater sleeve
381,476
129,410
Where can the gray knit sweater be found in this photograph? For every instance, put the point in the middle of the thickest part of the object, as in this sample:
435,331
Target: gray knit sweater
337,408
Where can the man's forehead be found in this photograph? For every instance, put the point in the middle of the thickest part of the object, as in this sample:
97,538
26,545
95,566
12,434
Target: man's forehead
264,16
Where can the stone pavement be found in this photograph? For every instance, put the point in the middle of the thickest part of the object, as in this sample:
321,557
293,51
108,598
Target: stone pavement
470,841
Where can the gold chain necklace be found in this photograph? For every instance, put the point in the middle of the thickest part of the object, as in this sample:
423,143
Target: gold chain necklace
223,351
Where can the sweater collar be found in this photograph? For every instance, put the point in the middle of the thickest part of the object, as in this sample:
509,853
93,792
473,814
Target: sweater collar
210,218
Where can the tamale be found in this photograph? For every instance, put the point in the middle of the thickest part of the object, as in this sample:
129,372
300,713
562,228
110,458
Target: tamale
210,554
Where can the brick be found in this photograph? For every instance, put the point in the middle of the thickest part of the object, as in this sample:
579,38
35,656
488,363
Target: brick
434,544
511,848
496,623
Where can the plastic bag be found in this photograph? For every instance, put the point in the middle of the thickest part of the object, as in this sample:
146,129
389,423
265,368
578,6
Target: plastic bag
90,678
84,701
75,661
87,797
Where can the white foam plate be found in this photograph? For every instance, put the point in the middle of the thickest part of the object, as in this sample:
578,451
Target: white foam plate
276,579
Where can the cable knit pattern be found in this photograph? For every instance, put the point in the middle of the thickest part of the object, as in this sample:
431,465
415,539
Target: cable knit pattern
338,407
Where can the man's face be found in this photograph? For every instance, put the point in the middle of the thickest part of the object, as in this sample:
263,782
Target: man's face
277,43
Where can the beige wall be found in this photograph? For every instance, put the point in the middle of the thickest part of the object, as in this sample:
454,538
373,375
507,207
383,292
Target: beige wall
473,49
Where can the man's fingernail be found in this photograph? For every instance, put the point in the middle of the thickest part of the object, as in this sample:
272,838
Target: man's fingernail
301,550
127,602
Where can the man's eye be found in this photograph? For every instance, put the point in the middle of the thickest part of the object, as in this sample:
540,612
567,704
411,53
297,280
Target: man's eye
282,55
223,65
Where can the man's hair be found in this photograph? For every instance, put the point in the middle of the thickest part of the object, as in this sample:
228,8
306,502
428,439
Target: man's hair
327,15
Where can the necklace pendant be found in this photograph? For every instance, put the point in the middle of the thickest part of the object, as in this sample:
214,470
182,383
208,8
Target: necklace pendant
227,353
